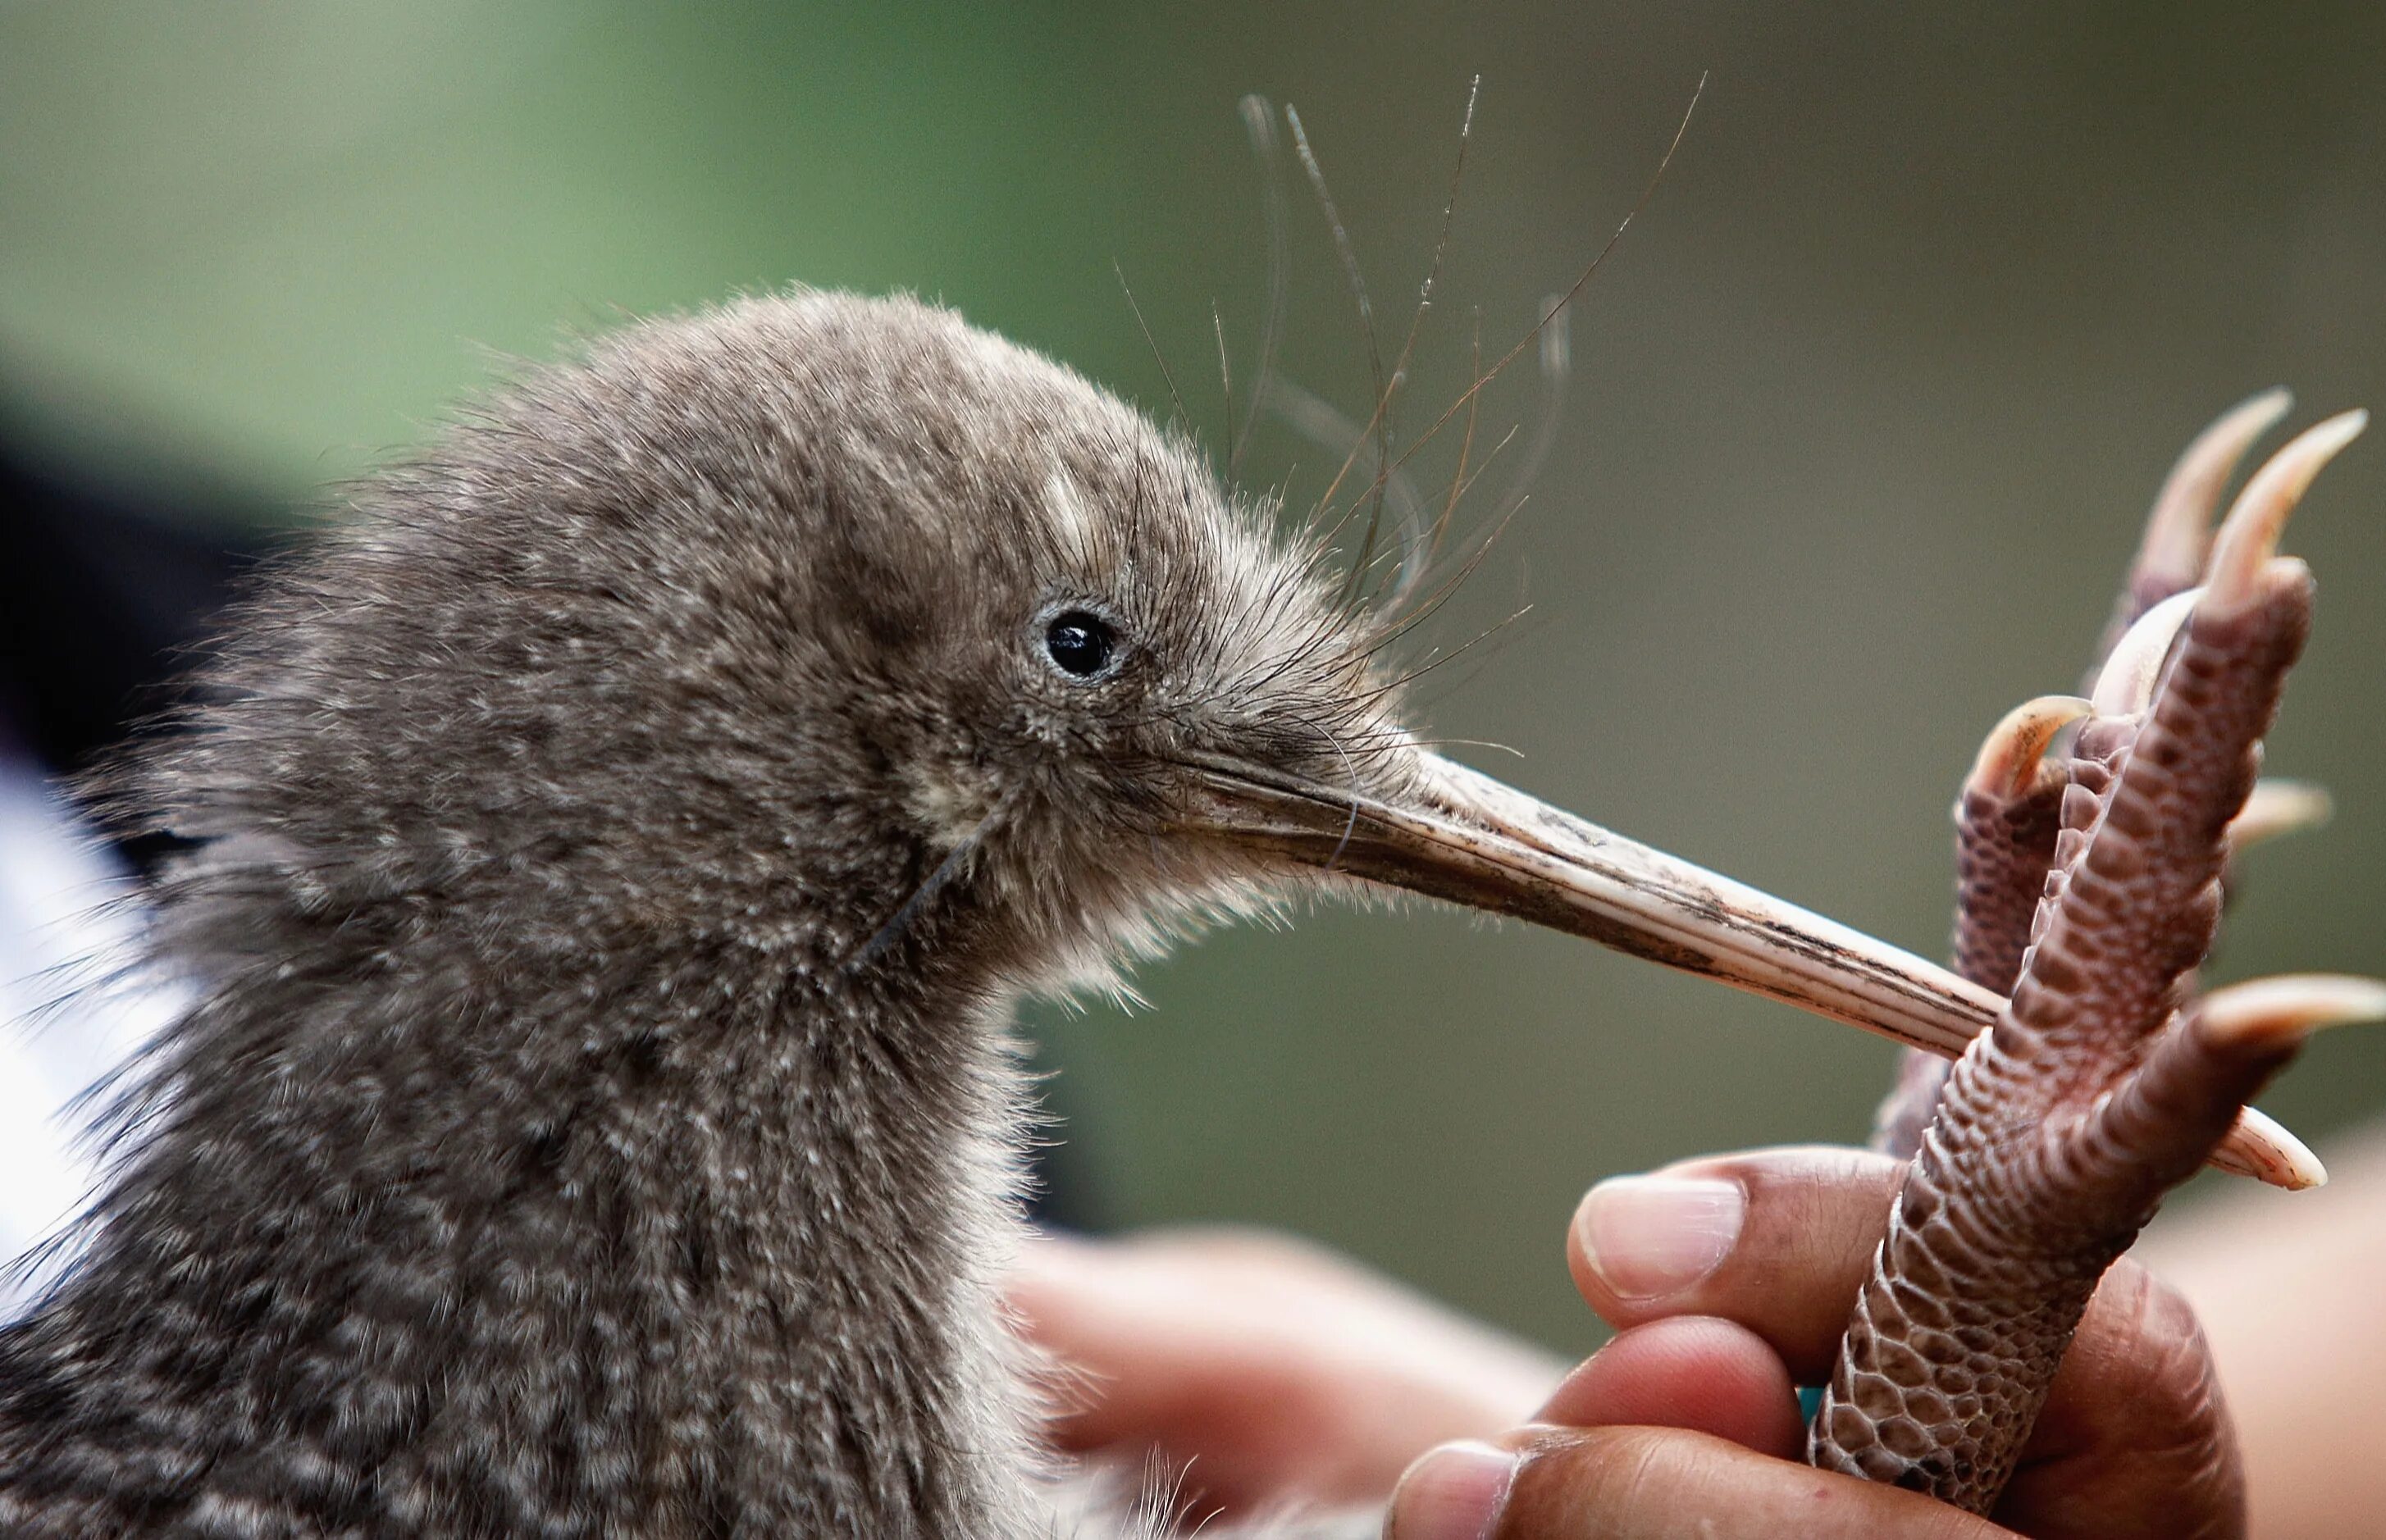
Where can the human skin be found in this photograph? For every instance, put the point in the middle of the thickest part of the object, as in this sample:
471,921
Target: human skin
1281,1371
1284,1374
2288,1294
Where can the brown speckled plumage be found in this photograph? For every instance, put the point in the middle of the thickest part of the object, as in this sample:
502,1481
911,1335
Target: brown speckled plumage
542,1158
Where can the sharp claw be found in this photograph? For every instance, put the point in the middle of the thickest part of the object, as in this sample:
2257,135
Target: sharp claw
2171,555
2062,1126
2008,759
2249,536
2266,1151
2278,806
2278,1013
2126,685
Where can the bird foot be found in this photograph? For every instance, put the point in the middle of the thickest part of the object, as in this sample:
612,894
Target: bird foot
2090,885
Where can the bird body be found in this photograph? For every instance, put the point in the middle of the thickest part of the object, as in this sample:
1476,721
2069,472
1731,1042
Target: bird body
537,1160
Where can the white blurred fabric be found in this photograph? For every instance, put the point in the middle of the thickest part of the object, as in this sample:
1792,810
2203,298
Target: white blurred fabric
69,920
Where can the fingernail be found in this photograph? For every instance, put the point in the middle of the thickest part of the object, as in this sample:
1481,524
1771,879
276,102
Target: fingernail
1452,1492
1647,1236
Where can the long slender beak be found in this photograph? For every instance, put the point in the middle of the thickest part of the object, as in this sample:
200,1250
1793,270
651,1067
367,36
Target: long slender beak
1459,835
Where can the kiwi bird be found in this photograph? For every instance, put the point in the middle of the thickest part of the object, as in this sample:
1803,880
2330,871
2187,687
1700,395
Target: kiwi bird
614,851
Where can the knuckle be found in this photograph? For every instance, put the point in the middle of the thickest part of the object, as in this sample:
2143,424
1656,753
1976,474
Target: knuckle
1576,1478
2148,1352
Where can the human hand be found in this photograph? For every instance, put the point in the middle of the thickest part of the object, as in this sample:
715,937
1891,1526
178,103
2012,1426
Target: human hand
1282,1374
1730,1279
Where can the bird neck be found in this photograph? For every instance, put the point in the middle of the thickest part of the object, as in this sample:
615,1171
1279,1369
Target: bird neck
685,1243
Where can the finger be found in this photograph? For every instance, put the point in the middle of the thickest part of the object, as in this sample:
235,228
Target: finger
2135,1439
1695,1373
1642,1484
1277,1368
1072,1300
1153,1361
1777,1240
1153,1351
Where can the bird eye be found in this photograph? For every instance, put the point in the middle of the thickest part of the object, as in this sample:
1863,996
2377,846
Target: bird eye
1080,642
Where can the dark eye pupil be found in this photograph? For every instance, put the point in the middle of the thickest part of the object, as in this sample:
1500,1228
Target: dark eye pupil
1080,642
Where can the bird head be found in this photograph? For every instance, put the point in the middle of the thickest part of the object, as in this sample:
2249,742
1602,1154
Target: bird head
834,623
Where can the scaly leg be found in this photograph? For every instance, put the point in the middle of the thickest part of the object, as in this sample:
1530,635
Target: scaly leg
2094,1092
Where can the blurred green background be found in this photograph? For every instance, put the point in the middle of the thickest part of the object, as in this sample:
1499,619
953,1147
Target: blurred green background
1865,409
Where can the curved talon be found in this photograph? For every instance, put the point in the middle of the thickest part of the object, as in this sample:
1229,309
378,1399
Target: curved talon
2178,532
2009,756
2278,1013
2171,555
2062,1126
2277,807
2126,685
2249,536
2266,1151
